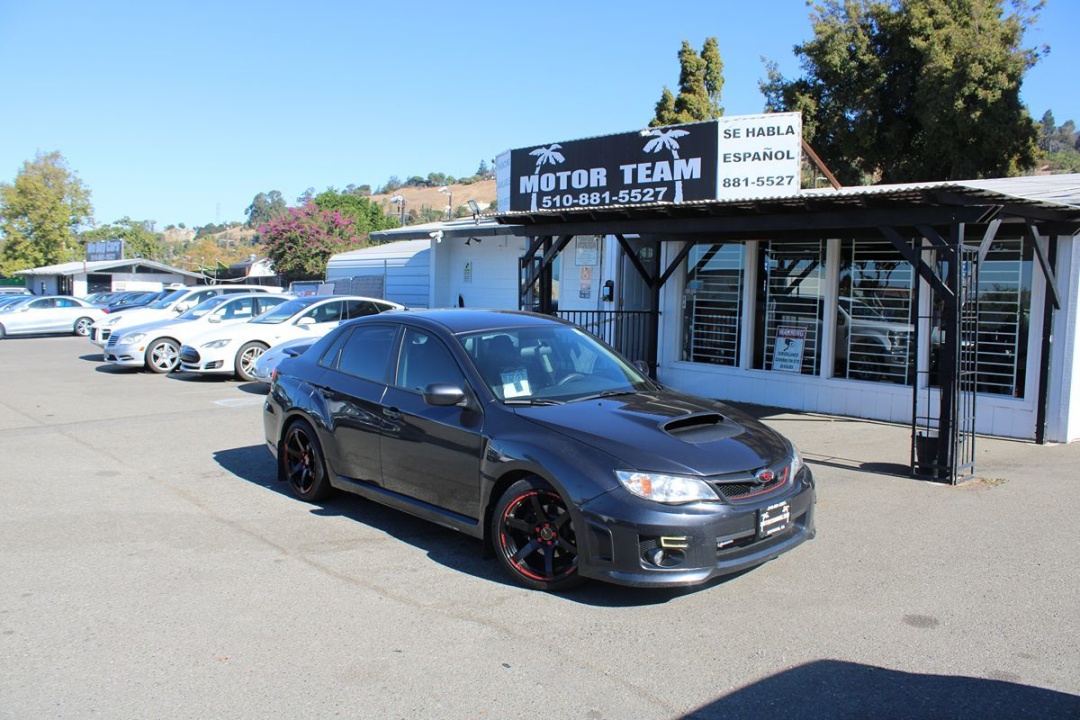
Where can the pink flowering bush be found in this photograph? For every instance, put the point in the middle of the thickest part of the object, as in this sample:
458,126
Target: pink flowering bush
301,242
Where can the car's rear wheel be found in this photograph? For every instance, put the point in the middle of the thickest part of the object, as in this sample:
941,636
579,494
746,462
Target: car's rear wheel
82,326
534,536
302,463
162,355
1,332
245,360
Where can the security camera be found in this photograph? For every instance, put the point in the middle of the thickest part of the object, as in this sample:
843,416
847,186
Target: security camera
437,235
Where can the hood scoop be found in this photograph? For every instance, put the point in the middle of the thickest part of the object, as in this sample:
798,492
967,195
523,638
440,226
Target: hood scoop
701,428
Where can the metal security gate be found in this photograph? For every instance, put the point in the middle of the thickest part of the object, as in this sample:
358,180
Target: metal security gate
625,330
943,427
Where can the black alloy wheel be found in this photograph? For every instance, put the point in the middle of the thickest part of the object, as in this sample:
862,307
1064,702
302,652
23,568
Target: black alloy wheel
534,536
302,463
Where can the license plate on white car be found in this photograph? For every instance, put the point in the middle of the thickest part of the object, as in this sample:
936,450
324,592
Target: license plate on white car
774,519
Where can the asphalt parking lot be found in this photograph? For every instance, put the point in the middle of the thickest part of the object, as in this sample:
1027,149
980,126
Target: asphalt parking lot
152,567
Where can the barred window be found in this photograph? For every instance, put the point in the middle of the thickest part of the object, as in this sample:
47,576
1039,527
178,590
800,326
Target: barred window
875,313
713,305
792,296
1004,288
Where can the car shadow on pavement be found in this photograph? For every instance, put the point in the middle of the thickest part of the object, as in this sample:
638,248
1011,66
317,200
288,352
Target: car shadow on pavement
449,548
839,689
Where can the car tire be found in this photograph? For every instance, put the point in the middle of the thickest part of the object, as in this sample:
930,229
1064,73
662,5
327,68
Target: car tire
534,538
1,332
302,463
245,360
82,326
162,356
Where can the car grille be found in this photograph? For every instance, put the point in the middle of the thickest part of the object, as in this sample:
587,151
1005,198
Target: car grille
105,334
745,486
113,339
189,355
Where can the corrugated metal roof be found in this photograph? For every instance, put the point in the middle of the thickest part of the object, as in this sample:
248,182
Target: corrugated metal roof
1048,192
77,267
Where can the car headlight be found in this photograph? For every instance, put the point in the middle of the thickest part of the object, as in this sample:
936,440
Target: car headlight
132,338
217,343
796,462
664,488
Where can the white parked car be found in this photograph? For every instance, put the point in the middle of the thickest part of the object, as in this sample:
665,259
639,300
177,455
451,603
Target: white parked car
234,350
263,370
156,345
167,308
40,314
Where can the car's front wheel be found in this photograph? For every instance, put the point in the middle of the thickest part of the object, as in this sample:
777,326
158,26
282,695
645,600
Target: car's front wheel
162,355
82,326
534,536
245,360
302,463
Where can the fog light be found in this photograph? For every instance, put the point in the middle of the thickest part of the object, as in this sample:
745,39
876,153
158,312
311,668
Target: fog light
654,552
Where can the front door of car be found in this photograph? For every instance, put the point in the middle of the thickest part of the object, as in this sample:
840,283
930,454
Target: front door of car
431,453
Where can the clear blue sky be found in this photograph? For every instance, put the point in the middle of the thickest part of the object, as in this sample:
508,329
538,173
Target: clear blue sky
181,112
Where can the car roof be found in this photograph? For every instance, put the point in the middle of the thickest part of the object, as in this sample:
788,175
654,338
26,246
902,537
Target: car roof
465,320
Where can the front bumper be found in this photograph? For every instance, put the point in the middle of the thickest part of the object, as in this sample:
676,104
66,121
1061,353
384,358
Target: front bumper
100,335
666,545
214,361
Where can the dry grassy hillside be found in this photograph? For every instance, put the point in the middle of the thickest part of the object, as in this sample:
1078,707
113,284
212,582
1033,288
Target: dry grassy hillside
483,192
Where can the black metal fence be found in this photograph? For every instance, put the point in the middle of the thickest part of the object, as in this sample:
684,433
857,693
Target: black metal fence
625,330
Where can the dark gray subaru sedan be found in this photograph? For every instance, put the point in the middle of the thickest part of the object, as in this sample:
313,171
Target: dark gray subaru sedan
529,433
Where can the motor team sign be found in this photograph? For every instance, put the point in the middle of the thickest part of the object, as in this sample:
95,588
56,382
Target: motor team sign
743,156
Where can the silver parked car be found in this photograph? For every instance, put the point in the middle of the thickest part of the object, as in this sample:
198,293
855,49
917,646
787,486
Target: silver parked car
48,314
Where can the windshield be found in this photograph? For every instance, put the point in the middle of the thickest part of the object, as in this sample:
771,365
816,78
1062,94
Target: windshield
286,310
19,303
551,363
204,307
165,302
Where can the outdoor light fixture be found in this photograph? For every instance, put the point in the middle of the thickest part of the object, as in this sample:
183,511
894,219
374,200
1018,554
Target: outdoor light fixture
399,200
475,207
449,201
470,241
438,235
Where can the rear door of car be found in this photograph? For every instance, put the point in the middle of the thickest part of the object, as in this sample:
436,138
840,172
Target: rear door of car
357,371
430,452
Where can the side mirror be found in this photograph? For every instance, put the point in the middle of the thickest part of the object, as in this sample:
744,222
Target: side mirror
305,322
444,395
214,319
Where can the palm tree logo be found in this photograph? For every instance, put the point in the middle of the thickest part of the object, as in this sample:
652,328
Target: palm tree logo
544,156
665,140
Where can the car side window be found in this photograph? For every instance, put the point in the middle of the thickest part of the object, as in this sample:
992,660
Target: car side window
366,352
425,360
262,304
360,308
238,309
327,312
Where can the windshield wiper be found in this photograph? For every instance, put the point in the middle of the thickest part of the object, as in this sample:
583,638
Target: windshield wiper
533,401
606,394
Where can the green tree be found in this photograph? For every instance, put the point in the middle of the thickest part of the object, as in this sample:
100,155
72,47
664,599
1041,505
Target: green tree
41,214
265,207
366,216
300,243
701,80
914,90
139,237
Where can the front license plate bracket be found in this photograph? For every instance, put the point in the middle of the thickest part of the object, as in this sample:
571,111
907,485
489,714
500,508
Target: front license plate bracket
774,519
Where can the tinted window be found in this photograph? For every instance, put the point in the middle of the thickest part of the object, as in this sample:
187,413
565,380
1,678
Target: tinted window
366,352
425,360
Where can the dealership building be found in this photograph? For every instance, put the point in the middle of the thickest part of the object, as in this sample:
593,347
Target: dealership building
949,306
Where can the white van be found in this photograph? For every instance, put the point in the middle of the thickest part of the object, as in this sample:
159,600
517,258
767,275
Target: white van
167,307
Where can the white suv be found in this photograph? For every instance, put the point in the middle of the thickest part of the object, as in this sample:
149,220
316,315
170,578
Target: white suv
166,308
